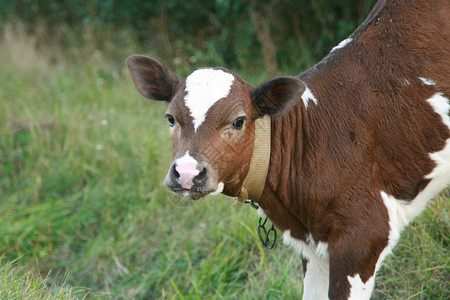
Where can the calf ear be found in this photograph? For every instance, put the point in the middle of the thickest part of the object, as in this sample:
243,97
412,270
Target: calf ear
277,95
152,78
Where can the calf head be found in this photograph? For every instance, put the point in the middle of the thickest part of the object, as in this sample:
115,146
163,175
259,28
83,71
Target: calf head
211,116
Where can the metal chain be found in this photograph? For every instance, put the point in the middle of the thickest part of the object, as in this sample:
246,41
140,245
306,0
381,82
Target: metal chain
267,237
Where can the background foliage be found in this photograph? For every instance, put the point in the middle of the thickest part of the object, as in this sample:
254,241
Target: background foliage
83,212
231,33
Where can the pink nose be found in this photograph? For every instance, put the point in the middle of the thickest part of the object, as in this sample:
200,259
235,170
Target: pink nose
187,171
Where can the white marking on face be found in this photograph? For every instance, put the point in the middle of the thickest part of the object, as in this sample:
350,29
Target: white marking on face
308,95
406,82
186,167
342,44
427,81
205,87
316,279
360,290
186,159
219,189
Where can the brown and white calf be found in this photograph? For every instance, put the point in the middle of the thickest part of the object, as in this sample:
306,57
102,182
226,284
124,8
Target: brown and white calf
358,143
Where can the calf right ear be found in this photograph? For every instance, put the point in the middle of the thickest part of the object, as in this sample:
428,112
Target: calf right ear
277,95
152,78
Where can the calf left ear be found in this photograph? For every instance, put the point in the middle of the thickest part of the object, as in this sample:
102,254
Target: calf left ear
277,95
152,78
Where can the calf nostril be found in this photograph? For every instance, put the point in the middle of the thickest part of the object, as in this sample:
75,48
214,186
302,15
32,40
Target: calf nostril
174,172
201,177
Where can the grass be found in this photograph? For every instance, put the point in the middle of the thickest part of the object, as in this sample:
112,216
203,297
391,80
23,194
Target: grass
19,283
84,214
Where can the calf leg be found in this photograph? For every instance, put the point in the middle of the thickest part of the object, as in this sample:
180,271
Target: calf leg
354,260
315,282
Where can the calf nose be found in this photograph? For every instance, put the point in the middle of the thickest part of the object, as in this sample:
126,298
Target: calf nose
200,179
185,172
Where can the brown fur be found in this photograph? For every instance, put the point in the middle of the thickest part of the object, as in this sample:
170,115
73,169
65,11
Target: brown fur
358,141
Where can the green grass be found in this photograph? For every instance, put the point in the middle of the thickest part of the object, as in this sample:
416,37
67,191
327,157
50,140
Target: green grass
18,283
83,211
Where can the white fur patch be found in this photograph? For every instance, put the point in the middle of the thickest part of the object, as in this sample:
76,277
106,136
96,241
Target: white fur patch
315,283
441,106
397,220
440,178
261,213
402,212
308,95
307,249
316,279
427,81
322,250
205,87
360,290
342,44
186,159
219,189
440,175
298,245
397,216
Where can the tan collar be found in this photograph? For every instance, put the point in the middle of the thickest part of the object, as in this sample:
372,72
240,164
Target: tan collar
259,164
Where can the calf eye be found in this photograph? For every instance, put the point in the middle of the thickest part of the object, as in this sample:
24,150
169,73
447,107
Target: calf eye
171,120
239,122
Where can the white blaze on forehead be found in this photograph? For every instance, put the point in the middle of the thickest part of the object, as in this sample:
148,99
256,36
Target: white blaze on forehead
205,87
186,159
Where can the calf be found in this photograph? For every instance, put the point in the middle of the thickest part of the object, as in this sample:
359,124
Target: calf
346,153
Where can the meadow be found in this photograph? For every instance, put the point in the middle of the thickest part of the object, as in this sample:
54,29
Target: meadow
84,214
